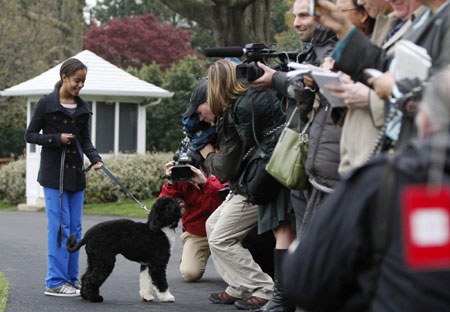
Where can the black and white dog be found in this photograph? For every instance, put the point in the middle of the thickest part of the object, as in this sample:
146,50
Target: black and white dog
146,243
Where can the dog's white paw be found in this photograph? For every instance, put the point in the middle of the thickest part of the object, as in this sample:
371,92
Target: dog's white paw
165,296
147,298
146,294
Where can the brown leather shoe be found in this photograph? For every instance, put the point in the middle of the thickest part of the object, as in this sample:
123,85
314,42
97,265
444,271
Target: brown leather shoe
251,303
222,298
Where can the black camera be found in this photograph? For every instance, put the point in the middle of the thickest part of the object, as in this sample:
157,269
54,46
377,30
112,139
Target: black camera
254,52
248,72
181,172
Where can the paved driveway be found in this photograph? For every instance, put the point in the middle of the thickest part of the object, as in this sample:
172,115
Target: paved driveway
23,259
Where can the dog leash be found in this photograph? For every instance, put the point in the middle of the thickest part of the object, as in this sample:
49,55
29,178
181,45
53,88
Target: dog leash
110,175
61,190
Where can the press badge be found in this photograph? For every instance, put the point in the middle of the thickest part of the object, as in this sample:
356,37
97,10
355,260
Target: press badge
426,227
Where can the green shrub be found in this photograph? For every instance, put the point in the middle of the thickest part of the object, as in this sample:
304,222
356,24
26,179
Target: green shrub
142,175
12,182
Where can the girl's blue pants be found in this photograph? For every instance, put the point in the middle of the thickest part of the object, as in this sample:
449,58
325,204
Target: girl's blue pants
62,266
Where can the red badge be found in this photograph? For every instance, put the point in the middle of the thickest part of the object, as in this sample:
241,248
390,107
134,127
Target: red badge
426,225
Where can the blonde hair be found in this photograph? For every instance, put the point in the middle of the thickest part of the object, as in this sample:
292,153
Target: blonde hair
223,87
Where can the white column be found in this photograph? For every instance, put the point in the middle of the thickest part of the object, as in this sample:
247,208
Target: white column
94,123
116,128
33,190
141,128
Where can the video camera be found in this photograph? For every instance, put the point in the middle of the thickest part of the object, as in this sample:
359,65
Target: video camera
254,52
181,172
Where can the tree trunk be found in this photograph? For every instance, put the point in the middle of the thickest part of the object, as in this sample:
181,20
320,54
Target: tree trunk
233,22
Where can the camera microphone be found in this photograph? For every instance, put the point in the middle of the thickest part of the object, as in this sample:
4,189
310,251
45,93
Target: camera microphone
224,52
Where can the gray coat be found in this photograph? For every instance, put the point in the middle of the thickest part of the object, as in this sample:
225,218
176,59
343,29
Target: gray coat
323,157
323,151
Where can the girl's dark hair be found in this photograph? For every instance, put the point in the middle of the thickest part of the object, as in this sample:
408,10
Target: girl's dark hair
68,68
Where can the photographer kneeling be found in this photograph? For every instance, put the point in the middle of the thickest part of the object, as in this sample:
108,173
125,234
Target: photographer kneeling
191,182
201,197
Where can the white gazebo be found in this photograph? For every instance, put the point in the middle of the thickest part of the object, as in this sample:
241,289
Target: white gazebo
117,99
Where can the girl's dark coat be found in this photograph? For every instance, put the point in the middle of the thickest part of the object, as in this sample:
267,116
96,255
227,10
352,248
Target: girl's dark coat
53,119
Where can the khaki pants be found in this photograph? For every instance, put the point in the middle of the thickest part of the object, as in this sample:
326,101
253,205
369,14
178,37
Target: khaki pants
226,228
194,257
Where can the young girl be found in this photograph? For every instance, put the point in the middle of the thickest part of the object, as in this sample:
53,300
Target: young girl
63,118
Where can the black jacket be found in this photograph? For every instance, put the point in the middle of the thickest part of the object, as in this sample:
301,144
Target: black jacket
334,267
53,119
235,134
265,107
227,163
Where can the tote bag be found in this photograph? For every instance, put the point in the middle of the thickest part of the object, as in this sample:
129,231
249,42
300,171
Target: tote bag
287,164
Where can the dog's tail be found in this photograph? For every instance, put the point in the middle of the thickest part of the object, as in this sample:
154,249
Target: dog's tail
72,244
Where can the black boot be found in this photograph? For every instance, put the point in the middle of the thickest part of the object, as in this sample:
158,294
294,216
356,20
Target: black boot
279,302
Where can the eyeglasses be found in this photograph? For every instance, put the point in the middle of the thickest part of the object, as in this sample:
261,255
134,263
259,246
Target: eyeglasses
346,10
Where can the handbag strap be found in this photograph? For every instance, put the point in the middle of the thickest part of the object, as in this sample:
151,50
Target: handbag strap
308,123
292,117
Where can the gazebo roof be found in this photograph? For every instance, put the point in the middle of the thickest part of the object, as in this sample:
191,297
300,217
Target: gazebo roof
103,78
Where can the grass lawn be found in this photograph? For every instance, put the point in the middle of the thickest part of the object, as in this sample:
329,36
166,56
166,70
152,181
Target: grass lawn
3,292
127,208
4,206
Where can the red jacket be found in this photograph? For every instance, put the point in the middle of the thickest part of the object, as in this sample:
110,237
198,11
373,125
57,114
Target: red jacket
200,202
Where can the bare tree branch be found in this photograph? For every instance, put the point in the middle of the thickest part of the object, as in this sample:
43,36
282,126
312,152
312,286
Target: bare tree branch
234,3
66,29
233,22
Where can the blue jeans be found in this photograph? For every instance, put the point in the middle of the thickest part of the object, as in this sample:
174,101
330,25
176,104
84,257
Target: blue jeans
62,266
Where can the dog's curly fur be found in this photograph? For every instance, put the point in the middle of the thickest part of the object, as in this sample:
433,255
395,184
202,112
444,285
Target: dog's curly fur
146,243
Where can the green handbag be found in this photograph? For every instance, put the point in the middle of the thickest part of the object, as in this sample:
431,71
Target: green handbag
287,164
